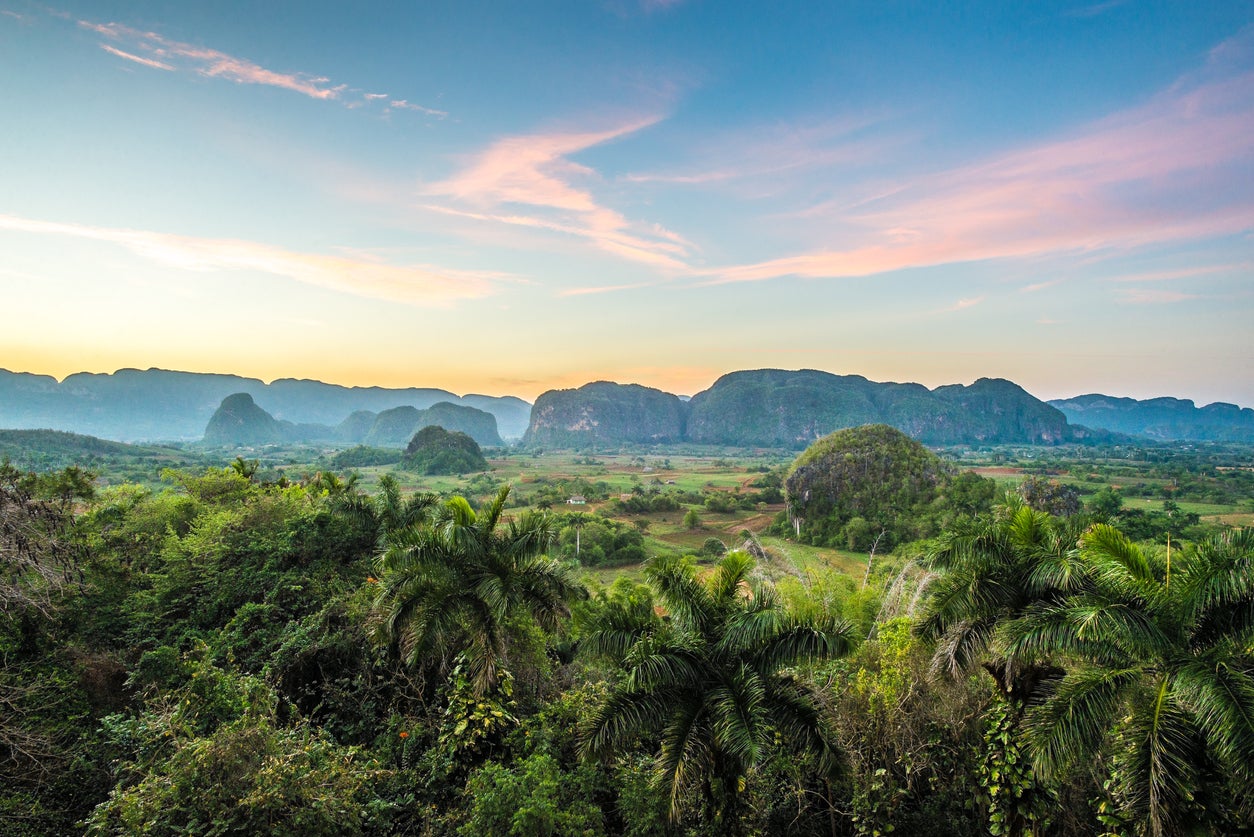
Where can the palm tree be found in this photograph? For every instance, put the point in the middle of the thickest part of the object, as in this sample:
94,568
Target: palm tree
389,513
1160,677
989,574
453,585
711,685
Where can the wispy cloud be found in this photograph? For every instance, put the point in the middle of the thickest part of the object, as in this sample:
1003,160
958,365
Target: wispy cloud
416,285
1182,273
764,154
155,50
1096,9
961,304
1153,296
147,62
531,181
1040,286
1163,171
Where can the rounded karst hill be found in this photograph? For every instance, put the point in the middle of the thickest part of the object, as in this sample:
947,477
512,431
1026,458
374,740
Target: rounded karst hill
854,484
434,450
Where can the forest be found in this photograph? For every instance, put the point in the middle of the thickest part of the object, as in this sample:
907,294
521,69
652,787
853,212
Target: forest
873,638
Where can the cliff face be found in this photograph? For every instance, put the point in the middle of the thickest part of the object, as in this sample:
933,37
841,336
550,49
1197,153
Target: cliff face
604,413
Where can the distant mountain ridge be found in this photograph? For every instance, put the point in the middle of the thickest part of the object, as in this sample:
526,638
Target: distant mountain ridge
159,404
240,421
782,408
1164,419
768,407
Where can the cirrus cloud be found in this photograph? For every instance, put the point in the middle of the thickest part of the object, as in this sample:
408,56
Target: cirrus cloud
358,276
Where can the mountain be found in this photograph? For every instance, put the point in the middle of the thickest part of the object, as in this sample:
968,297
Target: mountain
393,428
782,408
134,404
1161,418
512,413
604,413
240,421
994,411
478,424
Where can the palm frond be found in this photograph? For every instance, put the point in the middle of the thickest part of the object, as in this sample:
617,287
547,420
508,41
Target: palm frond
1074,721
738,714
803,641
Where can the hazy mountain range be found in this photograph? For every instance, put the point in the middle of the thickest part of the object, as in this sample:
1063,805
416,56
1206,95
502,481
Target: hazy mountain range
135,405
761,408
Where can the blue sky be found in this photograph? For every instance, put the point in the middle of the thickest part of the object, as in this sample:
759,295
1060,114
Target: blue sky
512,197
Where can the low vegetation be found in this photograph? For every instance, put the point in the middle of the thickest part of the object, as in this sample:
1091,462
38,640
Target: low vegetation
645,641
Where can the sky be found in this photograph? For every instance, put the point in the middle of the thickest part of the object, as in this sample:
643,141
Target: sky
511,197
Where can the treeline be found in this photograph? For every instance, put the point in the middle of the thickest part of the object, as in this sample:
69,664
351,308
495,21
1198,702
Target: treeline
229,656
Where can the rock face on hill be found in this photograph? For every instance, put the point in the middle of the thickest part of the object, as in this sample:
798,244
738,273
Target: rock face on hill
604,413
1161,418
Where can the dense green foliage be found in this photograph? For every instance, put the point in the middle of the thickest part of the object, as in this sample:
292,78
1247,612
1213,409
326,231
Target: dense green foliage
874,485
242,652
434,450
708,682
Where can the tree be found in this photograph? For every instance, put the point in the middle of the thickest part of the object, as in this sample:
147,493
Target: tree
1048,496
38,555
1160,680
389,513
578,522
692,520
454,585
711,686
990,573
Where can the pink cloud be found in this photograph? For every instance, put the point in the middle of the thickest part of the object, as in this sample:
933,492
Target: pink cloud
147,62
211,62
535,171
1160,172
167,54
356,276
